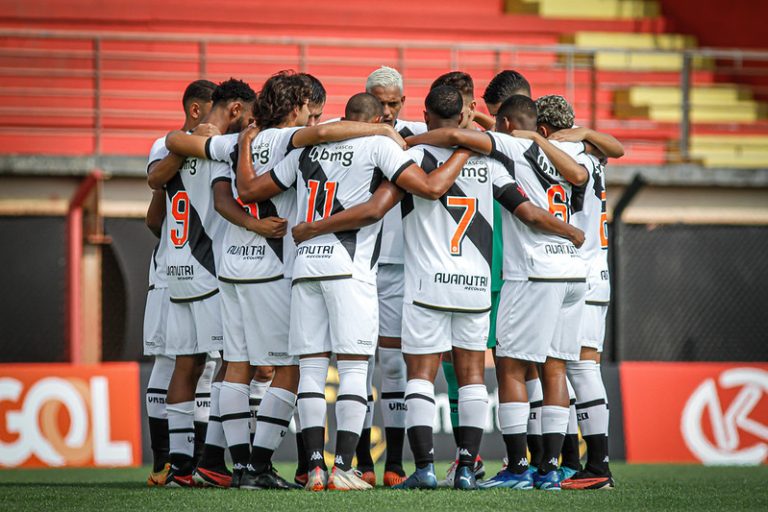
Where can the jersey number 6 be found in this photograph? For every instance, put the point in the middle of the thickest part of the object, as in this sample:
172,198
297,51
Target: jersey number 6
558,202
469,204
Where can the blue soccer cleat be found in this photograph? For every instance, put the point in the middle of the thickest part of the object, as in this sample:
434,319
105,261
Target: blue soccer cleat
423,478
465,479
548,481
508,480
566,472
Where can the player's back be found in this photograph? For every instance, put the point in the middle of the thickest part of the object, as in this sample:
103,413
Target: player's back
195,229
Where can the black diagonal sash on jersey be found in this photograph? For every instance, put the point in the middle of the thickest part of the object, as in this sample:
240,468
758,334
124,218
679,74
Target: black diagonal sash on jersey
405,132
200,243
532,156
314,171
266,208
479,232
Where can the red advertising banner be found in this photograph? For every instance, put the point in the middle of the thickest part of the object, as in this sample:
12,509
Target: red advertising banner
712,413
65,415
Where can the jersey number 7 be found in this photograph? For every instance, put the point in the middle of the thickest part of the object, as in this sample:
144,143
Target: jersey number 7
469,204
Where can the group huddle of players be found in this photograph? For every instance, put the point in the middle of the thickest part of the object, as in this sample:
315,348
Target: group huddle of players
284,241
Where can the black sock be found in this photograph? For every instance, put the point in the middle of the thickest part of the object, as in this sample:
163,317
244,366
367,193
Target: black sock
422,447
201,427
181,463
212,457
345,449
469,445
261,459
536,447
597,454
516,456
301,455
240,454
160,442
553,445
314,444
571,452
395,439
363,451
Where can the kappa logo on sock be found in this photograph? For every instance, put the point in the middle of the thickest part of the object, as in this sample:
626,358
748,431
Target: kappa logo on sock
465,452
339,460
523,463
432,451
553,461
316,456
606,459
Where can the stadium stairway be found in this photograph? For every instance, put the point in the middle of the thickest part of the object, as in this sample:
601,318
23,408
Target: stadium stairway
47,100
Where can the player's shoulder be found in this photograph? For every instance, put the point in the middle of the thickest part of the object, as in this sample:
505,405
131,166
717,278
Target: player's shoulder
408,128
574,149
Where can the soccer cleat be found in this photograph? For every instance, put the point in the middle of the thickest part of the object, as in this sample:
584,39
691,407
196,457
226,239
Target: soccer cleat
176,480
392,478
423,478
237,477
301,478
465,479
507,480
268,479
157,478
212,478
317,479
566,472
589,481
479,468
548,481
346,481
368,476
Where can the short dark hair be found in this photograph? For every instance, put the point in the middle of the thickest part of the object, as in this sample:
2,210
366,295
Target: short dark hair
518,107
445,101
281,93
199,90
458,79
504,85
318,95
233,90
363,106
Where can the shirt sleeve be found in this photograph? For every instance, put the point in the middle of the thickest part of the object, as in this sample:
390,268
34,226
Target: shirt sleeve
505,189
158,152
390,158
220,172
285,173
221,148
573,149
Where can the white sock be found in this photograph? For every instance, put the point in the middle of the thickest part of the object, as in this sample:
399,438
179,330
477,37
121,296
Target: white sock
392,387
157,387
513,417
591,400
258,390
203,392
473,406
214,435
274,417
235,414
536,399
311,396
573,426
368,423
420,403
351,402
181,428
554,419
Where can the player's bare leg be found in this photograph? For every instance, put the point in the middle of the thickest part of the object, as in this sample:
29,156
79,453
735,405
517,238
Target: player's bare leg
181,409
593,415
473,410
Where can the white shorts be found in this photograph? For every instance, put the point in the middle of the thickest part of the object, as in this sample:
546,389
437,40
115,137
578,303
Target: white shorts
390,282
339,316
155,321
255,317
194,327
592,326
428,331
537,320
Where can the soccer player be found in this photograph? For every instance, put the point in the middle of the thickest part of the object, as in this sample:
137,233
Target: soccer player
255,271
555,120
448,247
194,317
544,278
196,103
386,84
333,301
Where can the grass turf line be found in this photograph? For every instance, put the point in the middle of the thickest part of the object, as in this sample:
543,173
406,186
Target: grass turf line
639,487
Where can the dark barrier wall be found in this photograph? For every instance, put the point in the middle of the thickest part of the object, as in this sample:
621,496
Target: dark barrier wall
692,293
33,284
492,448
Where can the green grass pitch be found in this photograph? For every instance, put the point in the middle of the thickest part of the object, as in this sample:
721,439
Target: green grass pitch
639,487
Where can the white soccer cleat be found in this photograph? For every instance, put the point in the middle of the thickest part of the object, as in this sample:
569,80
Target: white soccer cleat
346,481
316,480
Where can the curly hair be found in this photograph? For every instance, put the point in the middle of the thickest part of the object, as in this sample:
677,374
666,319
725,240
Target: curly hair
232,90
281,93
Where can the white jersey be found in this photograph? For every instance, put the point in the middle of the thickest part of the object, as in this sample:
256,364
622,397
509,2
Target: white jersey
392,230
248,257
330,178
531,254
195,230
449,242
589,215
157,277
